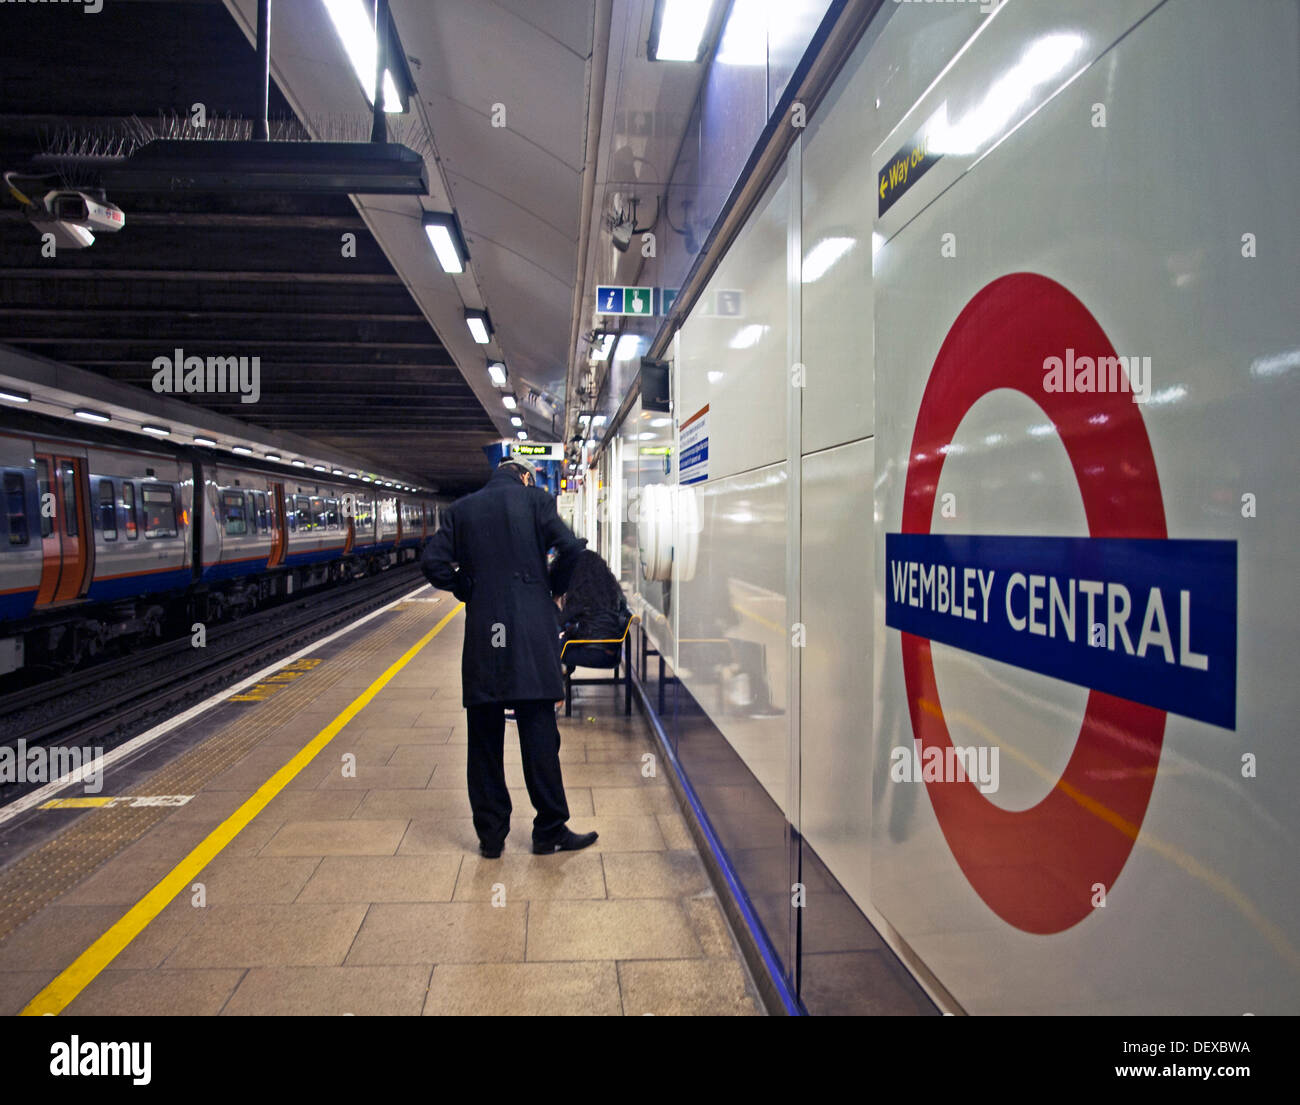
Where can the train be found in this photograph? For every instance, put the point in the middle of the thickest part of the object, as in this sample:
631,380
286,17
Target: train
108,537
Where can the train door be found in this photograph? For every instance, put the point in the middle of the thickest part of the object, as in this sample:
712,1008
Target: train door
67,540
279,528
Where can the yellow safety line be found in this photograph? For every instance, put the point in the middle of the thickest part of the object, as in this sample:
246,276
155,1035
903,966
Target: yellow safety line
59,993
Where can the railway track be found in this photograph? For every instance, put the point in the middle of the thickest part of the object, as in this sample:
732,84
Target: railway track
113,701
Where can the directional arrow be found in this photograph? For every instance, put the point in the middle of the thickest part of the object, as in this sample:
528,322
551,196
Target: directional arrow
884,183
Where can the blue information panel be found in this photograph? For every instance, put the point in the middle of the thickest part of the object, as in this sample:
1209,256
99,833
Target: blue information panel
609,300
1153,621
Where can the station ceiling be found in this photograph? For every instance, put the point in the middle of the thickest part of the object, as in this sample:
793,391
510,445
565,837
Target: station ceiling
348,357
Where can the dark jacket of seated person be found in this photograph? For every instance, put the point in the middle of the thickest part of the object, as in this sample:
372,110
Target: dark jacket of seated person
594,610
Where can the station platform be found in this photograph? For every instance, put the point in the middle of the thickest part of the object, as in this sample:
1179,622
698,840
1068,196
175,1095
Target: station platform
305,846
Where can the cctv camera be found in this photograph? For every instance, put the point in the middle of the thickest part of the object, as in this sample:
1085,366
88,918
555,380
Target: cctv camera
72,217
622,234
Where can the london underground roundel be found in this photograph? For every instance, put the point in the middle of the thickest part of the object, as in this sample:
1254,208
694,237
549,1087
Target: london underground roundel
1038,868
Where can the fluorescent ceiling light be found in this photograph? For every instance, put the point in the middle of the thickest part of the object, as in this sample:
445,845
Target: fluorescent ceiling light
744,40
444,235
823,255
478,324
336,471
352,475
522,434
497,371
15,396
242,450
629,345
204,441
509,401
515,420
353,23
272,456
299,464
157,431
319,467
677,32
600,348
92,416
365,479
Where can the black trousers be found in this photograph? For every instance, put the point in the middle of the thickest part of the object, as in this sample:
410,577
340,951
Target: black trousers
539,742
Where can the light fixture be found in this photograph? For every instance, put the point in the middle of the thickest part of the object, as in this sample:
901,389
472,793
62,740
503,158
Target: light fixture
448,243
242,450
497,373
352,475
365,479
522,434
157,431
352,22
479,326
515,420
677,30
272,456
318,467
204,441
92,416
629,346
602,342
336,471
299,463
15,396
509,401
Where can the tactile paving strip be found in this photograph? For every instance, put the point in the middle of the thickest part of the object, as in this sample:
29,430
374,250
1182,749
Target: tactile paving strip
44,874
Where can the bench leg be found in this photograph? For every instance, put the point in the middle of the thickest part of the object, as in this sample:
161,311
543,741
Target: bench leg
568,695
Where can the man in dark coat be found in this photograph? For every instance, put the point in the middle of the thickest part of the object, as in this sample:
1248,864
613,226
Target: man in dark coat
490,552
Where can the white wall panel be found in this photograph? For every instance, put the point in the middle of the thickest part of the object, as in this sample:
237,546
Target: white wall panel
736,363
891,66
733,647
1142,222
835,727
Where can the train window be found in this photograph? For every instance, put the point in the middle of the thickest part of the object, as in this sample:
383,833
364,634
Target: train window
263,515
159,510
128,505
107,510
332,513
234,514
317,512
16,508
304,515
69,502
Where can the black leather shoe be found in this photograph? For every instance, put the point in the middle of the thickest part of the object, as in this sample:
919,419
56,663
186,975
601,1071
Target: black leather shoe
569,842
489,853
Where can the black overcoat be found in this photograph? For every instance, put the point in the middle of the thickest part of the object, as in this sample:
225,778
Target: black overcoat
490,552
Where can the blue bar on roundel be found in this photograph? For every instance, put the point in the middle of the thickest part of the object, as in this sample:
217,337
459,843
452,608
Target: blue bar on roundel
1153,621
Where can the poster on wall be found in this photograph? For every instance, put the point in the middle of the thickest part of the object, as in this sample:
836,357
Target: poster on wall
693,461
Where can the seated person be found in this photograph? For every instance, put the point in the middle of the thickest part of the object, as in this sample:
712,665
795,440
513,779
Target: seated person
594,609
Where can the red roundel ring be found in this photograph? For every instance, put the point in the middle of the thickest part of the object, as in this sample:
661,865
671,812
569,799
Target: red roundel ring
1036,868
